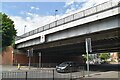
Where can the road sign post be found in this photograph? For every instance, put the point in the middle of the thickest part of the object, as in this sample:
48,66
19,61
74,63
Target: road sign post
88,50
30,53
29,61
40,60
29,58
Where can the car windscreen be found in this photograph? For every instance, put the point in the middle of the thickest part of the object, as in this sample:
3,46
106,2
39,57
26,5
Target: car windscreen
63,64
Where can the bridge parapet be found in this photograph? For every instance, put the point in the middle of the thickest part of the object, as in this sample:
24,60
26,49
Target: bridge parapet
81,14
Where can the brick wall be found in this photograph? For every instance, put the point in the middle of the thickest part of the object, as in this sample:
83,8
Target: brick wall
52,61
7,56
20,58
59,59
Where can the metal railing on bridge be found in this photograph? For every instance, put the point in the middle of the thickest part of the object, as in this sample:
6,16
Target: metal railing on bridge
90,11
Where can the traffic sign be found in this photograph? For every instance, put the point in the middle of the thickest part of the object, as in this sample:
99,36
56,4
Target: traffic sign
88,45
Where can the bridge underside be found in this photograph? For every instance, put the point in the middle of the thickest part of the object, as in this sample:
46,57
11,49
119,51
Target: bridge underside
73,48
101,42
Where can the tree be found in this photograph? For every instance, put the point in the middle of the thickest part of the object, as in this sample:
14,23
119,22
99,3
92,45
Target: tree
119,3
104,56
119,55
8,30
0,33
89,57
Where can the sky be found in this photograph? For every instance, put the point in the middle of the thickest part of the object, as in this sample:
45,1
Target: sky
34,14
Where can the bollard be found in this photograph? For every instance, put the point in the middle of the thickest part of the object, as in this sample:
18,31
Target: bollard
26,76
83,72
18,66
53,74
2,76
71,74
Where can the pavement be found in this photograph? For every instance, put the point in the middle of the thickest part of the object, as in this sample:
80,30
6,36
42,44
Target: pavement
15,68
107,74
93,74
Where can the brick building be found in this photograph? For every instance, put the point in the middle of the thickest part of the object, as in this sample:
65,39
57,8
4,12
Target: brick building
9,58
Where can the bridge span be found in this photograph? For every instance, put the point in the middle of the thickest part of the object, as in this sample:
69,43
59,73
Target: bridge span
66,36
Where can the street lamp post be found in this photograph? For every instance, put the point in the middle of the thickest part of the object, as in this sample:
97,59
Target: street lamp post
56,13
24,29
55,17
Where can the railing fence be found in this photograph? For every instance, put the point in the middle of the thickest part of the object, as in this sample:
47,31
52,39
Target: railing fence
42,74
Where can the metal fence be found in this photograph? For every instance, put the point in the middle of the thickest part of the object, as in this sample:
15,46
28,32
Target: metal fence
42,74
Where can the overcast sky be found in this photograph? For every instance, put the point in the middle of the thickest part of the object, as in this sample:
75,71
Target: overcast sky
35,14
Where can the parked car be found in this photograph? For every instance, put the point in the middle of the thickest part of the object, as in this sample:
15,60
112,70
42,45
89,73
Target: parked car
67,67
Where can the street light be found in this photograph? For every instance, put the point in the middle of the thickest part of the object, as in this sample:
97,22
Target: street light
55,17
24,29
56,13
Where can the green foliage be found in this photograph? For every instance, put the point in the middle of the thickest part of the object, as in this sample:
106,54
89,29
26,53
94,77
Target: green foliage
119,55
0,33
89,57
119,3
104,56
8,30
